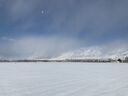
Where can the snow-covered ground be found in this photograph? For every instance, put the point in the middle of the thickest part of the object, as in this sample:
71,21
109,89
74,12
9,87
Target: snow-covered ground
63,79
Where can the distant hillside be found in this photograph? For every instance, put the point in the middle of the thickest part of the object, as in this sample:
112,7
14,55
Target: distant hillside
95,53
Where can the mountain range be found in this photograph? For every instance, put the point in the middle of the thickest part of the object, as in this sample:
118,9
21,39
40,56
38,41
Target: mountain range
95,53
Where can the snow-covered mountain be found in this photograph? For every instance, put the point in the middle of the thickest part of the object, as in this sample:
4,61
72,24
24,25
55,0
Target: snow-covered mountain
100,52
96,53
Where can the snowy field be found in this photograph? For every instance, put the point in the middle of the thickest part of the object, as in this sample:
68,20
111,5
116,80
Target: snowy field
63,79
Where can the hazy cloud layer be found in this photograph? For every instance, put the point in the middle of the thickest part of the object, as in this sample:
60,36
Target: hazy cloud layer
48,47
36,47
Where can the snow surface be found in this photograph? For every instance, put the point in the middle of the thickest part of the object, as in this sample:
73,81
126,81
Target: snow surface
63,79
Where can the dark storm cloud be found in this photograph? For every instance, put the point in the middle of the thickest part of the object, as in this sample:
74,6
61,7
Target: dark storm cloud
72,16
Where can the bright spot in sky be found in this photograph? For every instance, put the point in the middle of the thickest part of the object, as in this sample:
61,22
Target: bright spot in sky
42,11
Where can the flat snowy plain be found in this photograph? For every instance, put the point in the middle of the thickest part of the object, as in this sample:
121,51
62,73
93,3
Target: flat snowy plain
63,79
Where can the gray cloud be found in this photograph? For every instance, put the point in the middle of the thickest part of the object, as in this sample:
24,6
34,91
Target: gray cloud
18,9
37,47
47,47
97,17
74,16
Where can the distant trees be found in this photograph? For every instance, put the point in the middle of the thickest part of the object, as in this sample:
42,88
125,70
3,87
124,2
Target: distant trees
126,59
119,60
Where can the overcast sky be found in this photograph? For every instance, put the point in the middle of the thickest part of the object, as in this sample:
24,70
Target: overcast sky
51,27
